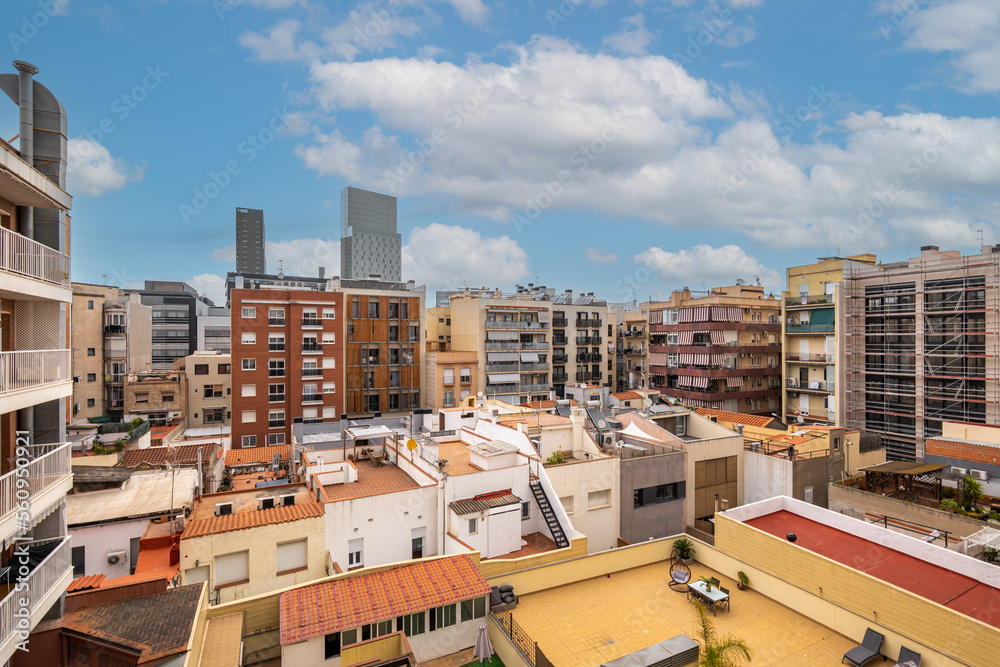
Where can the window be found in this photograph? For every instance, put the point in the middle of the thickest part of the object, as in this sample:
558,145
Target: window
249,364
473,608
90,352
276,343
90,402
91,377
276,368
248,313
665,492
329,313
225,369
142,398
393,333
90,306
249,441
276,393
473,526
373,630
213,391
331,646
275,438
443,617
449,399
201,369
525,511
248,338
275,418
214,415
329,362
836,444
466,374
78,556
355,553
449,376
276,316
373,310
248,390
292,556
249,416
232,568
329,338
412,624
329,387
637,498
599,499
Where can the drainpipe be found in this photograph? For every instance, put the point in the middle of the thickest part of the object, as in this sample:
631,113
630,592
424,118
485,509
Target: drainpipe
200,489
26,145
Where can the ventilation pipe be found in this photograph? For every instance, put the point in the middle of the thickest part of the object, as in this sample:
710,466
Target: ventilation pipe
26,145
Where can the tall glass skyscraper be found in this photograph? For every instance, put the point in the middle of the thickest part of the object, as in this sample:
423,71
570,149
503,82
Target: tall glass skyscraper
250,256
369,243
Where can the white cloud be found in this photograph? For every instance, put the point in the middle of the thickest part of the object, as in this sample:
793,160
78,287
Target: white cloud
211,285
298,257
471,11
966,28
280,44
598,256
632,37
715,267
448,256
91,170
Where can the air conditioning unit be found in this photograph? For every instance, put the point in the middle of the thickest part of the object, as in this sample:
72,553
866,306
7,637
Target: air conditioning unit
116,557
980,474
608,440
959,471
223,509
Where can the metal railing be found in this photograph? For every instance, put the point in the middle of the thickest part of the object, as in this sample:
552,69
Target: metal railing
21,255
809,328
809,300
312,322
522,641
312,347
312,372
50,464
36,585
27,369
535,387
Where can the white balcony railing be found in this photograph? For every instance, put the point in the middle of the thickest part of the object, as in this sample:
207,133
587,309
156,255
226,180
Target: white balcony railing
21,255
28,369
39,582
51,464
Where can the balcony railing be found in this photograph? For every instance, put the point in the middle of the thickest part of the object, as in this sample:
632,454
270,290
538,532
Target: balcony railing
50,464
114,329
312,372
559,340
808,300
276,372
311,398
21,255
275,347
502,324
275,423
501,389
276,321
534,346
30,369
809,328
811,357
312,347
36,586
312,322
275,398
534,387
560,378
559,321
795,384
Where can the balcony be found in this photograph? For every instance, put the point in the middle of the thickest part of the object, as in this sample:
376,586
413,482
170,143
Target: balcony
808,300
583,377
115,329
275,398
466,379
501,389
312,372
559,378
534,346
312,322
535,387
559,321
502,324
275,423
275,347
49,478
818,386
534,325
29,377
276,372
36,592
502,345
312,347
276,321
811,358
31,268
450,380
809,328
559,340
560,358
312,398
534,367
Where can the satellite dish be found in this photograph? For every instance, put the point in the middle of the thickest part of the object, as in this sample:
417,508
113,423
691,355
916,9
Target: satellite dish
619,443
602,424
648,402
800,420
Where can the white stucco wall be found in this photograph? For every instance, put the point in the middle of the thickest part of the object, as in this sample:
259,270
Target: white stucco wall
577,481
99,540
766,477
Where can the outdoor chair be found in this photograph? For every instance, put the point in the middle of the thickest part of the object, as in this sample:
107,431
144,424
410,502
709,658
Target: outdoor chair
680,575
868,650
715,582
908,658
724,603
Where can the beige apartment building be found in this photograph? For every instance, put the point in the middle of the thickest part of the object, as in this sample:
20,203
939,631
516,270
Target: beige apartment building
209,388
437,328
583,342
722,350
812,342
449,377
921,347
112,337
156,396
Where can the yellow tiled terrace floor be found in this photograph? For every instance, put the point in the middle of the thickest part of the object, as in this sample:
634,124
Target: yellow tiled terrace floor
594,621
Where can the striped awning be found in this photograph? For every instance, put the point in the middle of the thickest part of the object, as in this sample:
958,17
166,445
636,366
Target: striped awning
727,314
685,338
734,381
718,359
503,378
684,381
656,317
718,338
502,335
529,357
657,359
699,382
699,314
496,357
694,359
699,403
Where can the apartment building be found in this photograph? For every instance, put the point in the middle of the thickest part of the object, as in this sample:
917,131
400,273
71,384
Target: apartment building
449,377
370,246
510,334
383,345
921,347
176,309
156,396
250,250
582,342
112,337
720,351
36,383
288,360
214,333
316,283
209,388
633,349
437,328
812,343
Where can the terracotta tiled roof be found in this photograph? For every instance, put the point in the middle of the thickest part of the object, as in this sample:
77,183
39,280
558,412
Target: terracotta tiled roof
483,502
250,519
155,626
84,583
242,457
627,395
544,405
313,611
161,455
736,417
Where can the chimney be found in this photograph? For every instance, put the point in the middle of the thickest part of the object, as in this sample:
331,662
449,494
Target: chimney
26,145
928,250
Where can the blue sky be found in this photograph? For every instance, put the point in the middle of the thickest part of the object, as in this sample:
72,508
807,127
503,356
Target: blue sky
624,148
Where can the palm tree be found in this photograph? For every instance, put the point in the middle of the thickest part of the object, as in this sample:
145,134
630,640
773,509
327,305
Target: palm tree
728,651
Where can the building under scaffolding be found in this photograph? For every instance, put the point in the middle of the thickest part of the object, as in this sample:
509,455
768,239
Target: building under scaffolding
921,346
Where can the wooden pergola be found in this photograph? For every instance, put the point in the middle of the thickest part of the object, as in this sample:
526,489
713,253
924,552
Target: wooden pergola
903,480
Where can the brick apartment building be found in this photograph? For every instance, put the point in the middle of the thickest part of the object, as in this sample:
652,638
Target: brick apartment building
288,354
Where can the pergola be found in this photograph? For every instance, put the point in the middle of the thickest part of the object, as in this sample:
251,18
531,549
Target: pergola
356,433
985,537
903,480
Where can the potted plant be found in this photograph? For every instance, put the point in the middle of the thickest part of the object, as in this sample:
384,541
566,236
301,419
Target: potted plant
684,549
708,583
741,580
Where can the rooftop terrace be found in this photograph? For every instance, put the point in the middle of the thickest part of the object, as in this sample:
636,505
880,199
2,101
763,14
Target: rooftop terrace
372,482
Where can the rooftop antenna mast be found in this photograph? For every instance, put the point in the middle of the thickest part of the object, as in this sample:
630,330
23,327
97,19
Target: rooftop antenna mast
982,238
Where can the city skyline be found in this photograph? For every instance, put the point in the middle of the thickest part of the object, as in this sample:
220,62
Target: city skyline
739,138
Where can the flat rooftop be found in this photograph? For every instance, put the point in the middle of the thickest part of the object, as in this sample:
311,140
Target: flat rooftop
457,456
372,482
958,592
591,622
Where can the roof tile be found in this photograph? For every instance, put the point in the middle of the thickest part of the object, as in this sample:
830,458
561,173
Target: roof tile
736,417
250,455
253,519
160,455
